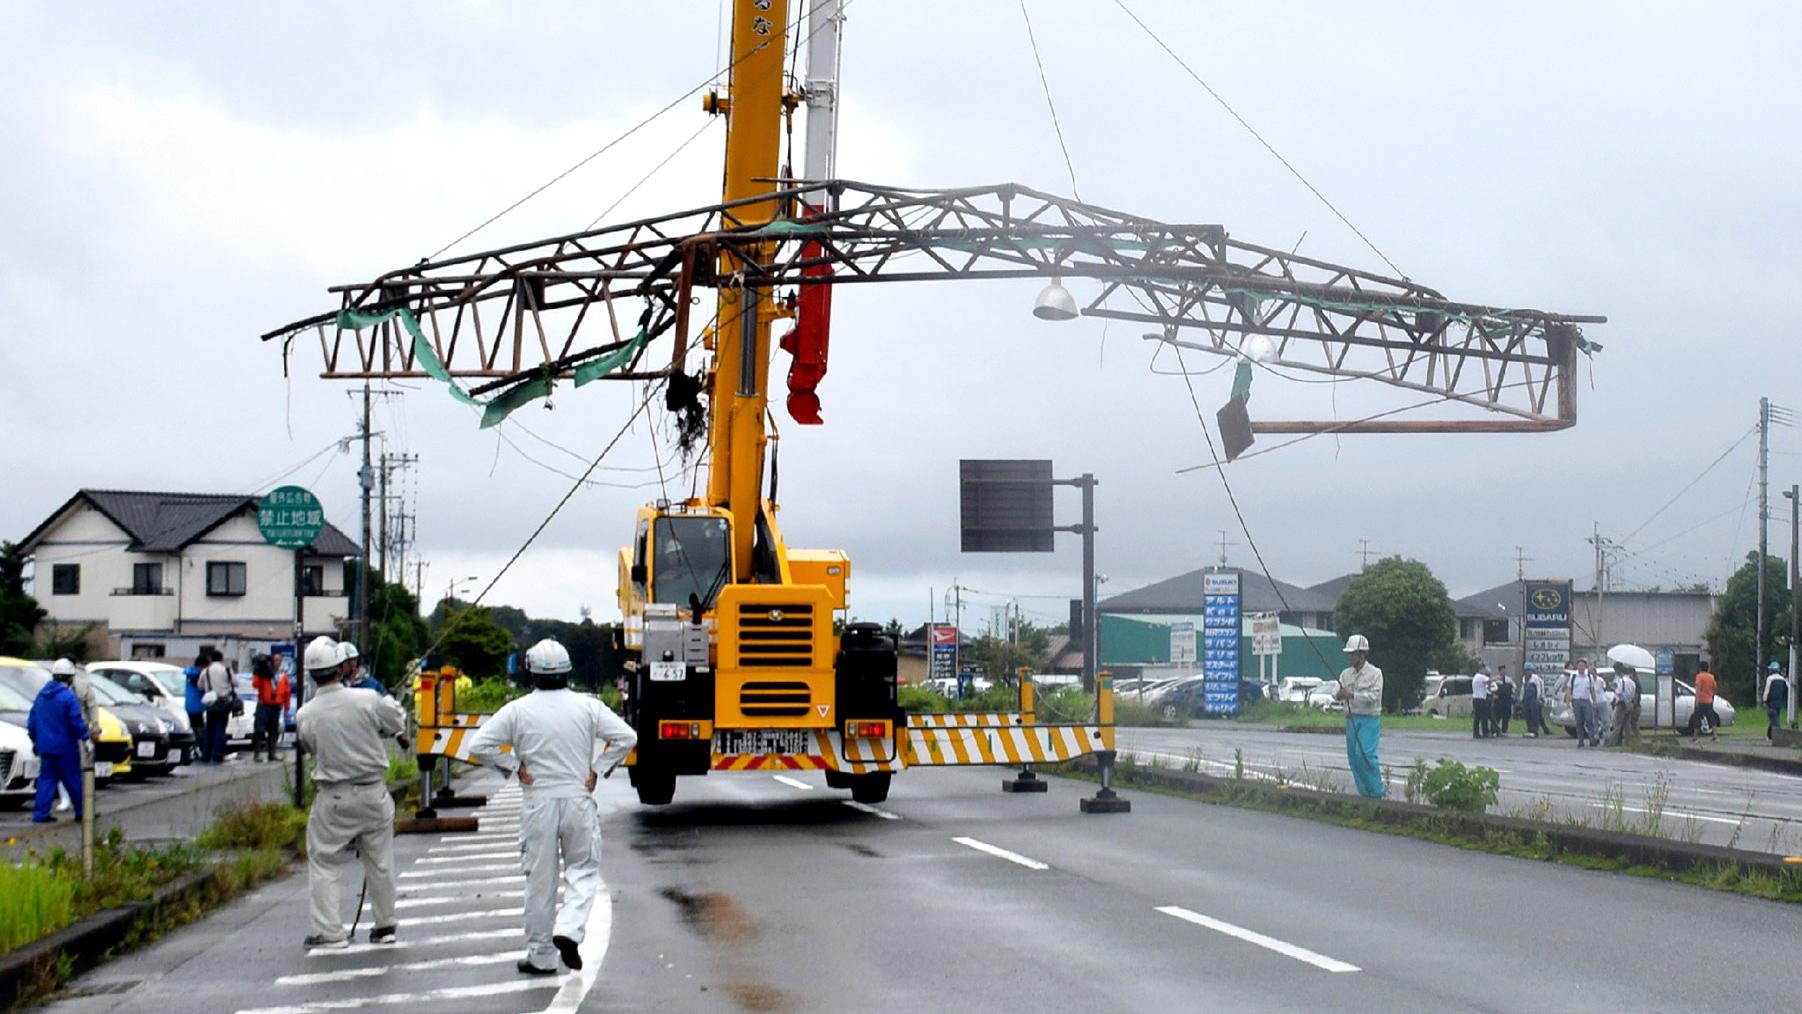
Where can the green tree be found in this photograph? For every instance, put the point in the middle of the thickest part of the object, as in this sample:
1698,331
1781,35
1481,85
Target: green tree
19,612
1001,658
397,633
1733,634
470,640
1405,612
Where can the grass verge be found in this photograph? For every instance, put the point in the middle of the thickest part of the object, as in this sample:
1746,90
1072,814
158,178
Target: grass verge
1450,828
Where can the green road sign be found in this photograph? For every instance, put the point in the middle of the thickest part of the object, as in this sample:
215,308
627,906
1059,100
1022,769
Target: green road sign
290,517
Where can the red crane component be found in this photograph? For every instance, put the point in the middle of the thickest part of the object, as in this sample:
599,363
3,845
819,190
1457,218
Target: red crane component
809,339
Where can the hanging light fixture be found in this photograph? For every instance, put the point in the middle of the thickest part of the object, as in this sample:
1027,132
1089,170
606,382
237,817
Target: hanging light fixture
1055,302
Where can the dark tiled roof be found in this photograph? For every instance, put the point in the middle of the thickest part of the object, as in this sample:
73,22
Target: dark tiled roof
1334,588
1182,594
167,522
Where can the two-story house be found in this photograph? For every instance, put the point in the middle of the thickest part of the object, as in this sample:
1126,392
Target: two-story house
162,575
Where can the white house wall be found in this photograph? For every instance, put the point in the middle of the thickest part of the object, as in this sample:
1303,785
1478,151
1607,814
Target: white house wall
87,538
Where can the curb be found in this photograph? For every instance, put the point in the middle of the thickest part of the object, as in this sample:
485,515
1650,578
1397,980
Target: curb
90,942
1660,852
1776,765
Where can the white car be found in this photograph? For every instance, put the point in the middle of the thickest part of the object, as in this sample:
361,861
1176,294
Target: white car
161,684
1322,697
18,762
1294,689
1560,713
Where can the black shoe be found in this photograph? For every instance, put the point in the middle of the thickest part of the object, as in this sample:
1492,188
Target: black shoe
318,941
383,935
566,948
527,968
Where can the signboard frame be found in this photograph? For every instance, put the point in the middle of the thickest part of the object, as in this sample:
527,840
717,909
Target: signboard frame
1221,630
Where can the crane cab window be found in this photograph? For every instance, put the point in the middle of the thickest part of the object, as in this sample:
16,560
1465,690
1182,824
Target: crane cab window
693,556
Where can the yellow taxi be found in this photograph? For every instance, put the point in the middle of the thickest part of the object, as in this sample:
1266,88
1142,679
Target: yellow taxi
112,754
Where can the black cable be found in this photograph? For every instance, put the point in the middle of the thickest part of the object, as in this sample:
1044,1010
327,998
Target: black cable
1260,138
1690,485
1046,85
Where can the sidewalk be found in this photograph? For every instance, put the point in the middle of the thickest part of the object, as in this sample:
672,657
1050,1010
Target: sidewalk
1737,750
178,806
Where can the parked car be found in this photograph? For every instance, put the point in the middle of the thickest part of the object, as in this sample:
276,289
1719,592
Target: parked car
18,764
152,751
1561,714
112,754
163,686
1322,697
1451,699
1294,689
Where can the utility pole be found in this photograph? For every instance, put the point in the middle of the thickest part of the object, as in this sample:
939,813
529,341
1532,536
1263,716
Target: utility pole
1520,563
388,464
1601,545
366,481
1223,545
1764,514
957,630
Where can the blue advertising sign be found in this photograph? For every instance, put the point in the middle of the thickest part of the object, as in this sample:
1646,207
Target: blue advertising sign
1220,610
1547,636
944,652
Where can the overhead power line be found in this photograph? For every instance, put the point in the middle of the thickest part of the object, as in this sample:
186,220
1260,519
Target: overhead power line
1691,484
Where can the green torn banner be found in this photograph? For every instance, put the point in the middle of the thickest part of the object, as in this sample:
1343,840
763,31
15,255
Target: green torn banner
501,405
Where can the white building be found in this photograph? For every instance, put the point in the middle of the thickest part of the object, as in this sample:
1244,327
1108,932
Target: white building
165,574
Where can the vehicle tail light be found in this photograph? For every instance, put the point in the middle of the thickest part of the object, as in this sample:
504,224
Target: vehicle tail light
679,730
866,730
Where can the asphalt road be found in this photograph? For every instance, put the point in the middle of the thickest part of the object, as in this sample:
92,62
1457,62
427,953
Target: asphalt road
1713,803
756,893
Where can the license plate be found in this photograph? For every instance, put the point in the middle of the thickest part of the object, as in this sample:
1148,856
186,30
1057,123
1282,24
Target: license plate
146,749
668,672
762,741
103,769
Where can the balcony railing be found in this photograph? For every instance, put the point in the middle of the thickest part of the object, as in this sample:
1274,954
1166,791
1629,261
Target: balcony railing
143,591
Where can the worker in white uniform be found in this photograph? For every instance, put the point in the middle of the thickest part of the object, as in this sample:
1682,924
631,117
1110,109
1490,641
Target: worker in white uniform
347,734
560,742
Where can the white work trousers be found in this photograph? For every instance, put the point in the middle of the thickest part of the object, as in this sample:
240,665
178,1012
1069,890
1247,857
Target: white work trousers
549,828
346,817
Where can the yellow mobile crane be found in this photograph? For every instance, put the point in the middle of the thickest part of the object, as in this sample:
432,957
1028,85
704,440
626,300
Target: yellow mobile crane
735,664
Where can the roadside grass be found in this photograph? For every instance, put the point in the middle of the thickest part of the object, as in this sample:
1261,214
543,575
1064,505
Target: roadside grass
1298,716
1276,795
34,901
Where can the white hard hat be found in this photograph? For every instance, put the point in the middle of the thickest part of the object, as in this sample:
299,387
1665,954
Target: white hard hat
346,651
1356,642
547,658
322,653
62,667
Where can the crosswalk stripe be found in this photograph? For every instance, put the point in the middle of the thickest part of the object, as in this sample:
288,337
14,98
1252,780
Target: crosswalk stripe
453,899
471,857
425,920
370,971
462,883
490,868
406,944
428,996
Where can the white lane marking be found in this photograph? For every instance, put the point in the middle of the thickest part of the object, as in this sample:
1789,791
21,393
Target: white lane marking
389,999
346,974
486,913
470,858
596,934
873,811
793,783
404,944
1268,943
454,899
490,868
1012,857
1684,814
461,884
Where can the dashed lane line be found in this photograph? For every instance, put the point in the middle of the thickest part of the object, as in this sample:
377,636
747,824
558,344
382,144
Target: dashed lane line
793,783
1268,943
873,811
1001,853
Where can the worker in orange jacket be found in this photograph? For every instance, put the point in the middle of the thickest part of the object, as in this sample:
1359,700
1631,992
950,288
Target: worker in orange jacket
273,691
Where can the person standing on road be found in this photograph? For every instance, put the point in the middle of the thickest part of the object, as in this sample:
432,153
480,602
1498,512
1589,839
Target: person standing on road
1704,708
1479,702
219,692
347,735
1361,688
1583,692
1626,705
560,742
1501,702
1532,701
1775,698
194,700
273,691
57,731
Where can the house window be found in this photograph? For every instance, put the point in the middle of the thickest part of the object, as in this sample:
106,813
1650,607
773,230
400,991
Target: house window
65,579
224,578
350,575
1467,629
312,580
146,579
1495,632
142,650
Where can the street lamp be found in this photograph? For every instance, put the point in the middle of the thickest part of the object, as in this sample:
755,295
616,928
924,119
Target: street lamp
450,590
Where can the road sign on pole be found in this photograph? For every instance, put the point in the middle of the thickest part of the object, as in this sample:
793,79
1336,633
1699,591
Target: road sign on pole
1266,634
290,517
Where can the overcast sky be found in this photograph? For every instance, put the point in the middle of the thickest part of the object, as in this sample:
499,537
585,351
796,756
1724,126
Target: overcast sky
184,176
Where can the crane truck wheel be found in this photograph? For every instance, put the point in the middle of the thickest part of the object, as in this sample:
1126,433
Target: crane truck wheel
656,786
870,788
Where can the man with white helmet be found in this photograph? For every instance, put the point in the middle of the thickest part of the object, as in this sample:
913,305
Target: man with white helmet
560,742
347,735
1361,688
350,669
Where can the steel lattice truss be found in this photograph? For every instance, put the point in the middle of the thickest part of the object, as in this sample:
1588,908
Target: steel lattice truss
520,312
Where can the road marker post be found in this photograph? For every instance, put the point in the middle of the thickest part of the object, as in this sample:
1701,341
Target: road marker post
1105,800
1025,781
